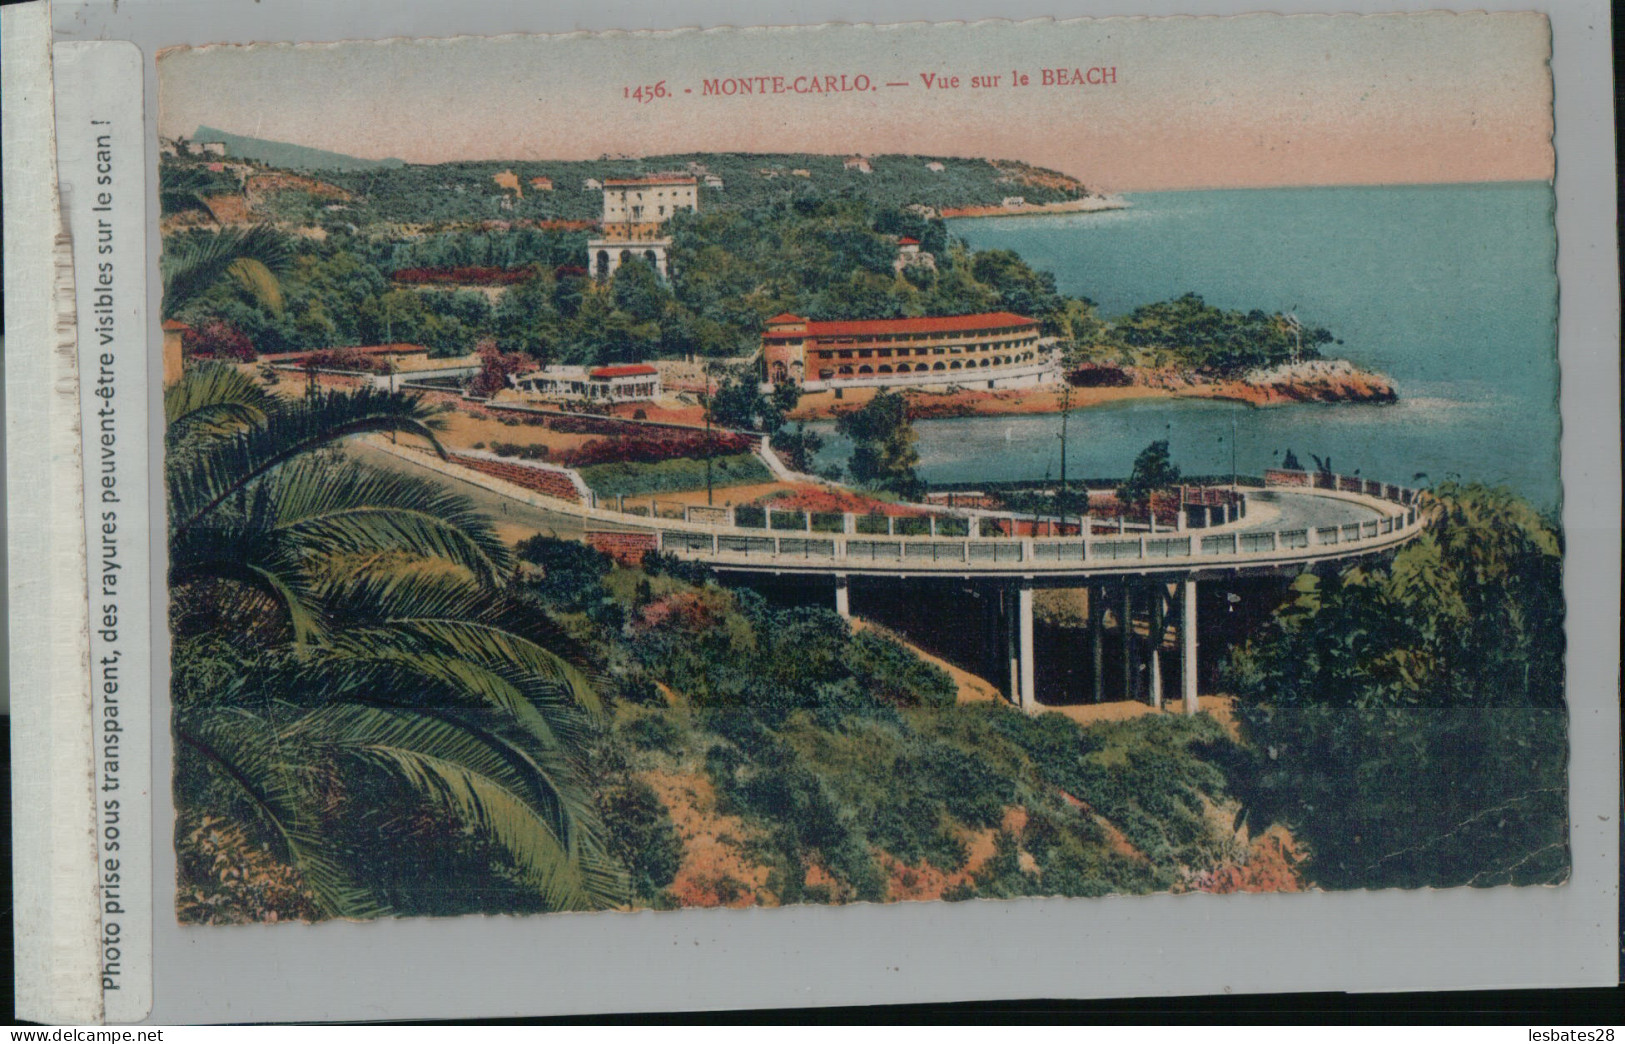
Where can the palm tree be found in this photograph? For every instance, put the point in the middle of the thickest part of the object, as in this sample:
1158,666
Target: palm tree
371,636
252,257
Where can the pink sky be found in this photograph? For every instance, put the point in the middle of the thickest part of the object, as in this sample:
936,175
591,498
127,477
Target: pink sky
1233,102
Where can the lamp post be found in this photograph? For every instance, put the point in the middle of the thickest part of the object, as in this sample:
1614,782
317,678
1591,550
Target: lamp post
1066,405
709,446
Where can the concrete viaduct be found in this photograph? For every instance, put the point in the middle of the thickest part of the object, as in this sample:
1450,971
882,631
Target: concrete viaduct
1295,520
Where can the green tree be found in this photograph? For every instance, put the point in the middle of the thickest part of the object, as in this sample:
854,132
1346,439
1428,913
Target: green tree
379,665
1409,718
883,451
1153,470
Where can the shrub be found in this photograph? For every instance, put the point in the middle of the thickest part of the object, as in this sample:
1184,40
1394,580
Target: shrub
891,672
652,732
495,369
652,446
572,573
217,339
642,836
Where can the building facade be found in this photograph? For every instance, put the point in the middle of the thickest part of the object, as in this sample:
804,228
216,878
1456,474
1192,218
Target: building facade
988,349
638,382
635,212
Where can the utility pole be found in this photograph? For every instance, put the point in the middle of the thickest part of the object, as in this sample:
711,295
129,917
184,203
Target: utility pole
1066,406
709,446
1234,485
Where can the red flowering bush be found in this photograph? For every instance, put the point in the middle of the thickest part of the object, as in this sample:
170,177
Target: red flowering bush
495,369
656,445
217,339
466,275
348,359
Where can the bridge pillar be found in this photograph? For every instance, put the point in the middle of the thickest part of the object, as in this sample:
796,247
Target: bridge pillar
1187,644
1097,639
1125,625
843,600
1154,629
1012,640
1024,622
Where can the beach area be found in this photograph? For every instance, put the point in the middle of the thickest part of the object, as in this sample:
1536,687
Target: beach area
1086,205
1324,380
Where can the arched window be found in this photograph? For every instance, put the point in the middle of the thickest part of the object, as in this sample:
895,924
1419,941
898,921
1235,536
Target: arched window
883,368
601,270
846,371
956,365
865,369
939,366
825,375
649,256
902,367
780,374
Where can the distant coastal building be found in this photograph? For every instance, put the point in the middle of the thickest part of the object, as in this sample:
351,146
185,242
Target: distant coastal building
857,163
935,167
542,184
713,181
637,382
801,172
1012,202
991,349
592,185
909,255
635,211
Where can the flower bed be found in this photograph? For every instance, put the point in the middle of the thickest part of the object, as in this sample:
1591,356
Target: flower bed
634,478
652,446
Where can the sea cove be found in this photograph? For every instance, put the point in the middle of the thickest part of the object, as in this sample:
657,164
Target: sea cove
1450,290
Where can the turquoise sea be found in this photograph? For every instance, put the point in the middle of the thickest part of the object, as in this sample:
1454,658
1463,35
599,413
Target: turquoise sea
1449,290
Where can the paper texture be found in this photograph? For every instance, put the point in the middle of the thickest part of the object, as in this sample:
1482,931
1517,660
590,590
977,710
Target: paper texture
53,838
886,513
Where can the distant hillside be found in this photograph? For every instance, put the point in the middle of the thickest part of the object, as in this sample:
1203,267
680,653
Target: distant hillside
292,157
508,191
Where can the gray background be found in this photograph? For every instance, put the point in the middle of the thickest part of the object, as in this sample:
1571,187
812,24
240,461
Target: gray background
1158,945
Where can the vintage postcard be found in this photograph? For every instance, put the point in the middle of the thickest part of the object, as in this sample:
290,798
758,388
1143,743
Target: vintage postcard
822,466
801,474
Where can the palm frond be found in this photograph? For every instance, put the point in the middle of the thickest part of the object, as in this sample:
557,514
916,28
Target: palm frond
259,281
441,614
470,779
200,481
191,265
350,509
245,554
245,750
213,398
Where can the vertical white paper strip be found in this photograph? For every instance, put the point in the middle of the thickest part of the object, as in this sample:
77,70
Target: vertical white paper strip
101,172
52,829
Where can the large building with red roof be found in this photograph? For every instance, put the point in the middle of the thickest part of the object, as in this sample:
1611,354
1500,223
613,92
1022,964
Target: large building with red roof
985,350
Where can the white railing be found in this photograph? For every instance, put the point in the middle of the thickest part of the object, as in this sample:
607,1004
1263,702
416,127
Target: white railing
802,540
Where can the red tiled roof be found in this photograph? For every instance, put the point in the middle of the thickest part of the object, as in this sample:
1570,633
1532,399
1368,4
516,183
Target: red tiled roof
635,370
399,348
945,324
785,317
175,324
652,179
908,241
371,349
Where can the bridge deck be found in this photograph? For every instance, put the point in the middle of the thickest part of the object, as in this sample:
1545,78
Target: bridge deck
1283,527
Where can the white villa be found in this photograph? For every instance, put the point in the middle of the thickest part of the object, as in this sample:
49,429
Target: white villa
638,382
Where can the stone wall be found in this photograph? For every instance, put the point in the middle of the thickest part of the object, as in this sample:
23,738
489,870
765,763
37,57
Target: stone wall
545,481
627,548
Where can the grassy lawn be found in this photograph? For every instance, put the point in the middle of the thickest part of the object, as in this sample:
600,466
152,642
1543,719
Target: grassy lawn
673,476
